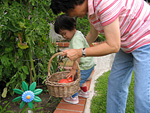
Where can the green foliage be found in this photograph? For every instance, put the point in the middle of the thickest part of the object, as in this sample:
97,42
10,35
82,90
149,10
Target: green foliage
99,102
24,41
3,109
83,25
35,108
100,38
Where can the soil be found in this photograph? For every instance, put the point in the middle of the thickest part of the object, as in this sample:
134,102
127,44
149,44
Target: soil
47,105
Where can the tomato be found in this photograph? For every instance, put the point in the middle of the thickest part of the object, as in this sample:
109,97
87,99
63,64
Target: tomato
63,81
70,79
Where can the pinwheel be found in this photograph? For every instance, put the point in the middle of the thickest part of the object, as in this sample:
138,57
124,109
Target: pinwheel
28,95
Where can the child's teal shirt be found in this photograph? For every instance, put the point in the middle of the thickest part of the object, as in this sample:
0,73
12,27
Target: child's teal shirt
78,41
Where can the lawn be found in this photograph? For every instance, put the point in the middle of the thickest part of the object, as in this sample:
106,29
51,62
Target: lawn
98,103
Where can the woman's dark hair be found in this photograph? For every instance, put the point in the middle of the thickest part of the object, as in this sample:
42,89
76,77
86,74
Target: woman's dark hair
64,22
58,6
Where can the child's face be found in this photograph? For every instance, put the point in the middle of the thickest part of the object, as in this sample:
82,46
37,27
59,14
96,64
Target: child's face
67,34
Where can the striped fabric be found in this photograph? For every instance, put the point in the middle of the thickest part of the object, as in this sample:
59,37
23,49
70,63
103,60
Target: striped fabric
134,20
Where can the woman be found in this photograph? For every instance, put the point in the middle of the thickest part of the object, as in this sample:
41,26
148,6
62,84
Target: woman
125,24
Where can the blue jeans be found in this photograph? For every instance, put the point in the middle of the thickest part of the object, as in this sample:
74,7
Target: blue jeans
85,74
120,78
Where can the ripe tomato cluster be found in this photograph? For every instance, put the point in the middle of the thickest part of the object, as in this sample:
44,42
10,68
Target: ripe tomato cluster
68,80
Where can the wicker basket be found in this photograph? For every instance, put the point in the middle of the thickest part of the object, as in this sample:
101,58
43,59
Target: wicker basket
59,89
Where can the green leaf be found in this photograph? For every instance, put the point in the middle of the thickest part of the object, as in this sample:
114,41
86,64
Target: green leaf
37,99
18,91
24,110
12,80
22,24
11,28
32,86
1,108
30,104
22,104
37,91
23,76
25,69
5,60
8,49
52,48
20,52
24,46
6,106
9,111
17,99
1,70
24,86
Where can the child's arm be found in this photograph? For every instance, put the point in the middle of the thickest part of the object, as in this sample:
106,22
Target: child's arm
73,70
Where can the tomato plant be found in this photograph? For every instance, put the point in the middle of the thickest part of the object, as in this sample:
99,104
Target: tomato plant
25,43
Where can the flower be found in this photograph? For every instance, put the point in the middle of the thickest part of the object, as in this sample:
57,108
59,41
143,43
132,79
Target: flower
28,95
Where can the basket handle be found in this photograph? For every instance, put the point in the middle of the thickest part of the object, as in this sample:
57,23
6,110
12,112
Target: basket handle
60,53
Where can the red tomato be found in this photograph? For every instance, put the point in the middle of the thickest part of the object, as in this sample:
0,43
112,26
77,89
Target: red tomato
63,81
70,79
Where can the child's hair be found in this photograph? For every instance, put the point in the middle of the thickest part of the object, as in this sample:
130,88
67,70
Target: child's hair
64,22
58,6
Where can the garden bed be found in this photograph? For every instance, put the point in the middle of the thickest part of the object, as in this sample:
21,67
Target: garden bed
48,104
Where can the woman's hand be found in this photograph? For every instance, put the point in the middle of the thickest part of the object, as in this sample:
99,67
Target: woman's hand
73,54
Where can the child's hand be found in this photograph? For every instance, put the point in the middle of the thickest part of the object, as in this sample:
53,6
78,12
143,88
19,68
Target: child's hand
71,74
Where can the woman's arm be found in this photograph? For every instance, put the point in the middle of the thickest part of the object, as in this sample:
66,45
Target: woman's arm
111,45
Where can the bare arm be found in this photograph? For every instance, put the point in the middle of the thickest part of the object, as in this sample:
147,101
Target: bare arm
74,64
92,35
73,70
111,45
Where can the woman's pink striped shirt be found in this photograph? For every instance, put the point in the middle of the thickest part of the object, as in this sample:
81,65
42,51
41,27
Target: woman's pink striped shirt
134,20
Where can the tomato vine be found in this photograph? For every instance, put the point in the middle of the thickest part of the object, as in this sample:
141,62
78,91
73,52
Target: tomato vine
25,43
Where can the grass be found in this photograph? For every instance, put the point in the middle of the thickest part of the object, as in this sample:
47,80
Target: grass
98,103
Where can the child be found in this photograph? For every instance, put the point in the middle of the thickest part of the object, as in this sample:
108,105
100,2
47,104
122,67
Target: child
66,26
